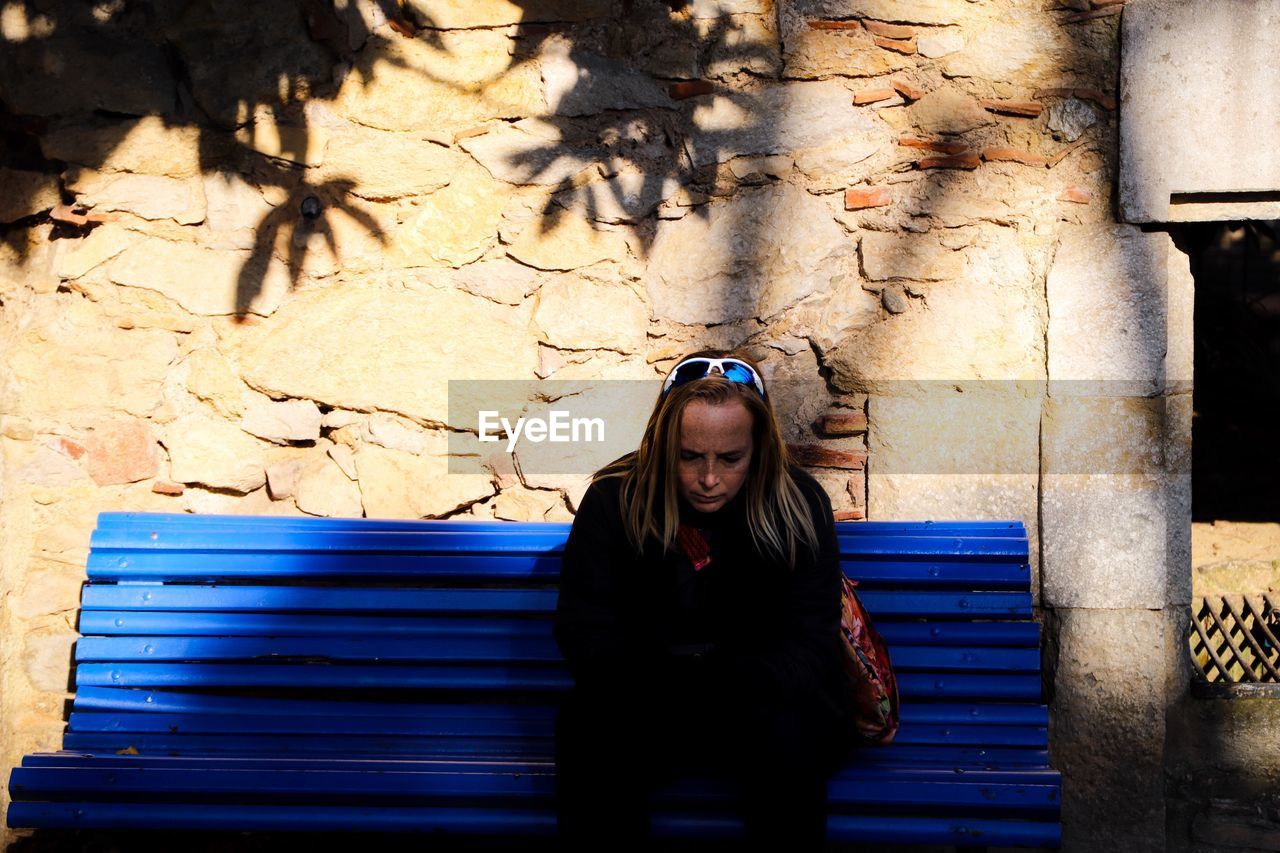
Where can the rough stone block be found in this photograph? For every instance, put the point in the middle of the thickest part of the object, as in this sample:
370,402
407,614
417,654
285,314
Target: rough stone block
97,68
1195,119
95,367
566,242
121,452
890,256
323,489
214,453
1103,435
578,314
382,166
464,14
757,254
46,658
394,484
203,281
418,82
773,120
986,324
1105,540
945,428
811,54
1107,726
1181,287
143,146
947,110
283,421
24,193
1107,312
894,11
1023,45
383,332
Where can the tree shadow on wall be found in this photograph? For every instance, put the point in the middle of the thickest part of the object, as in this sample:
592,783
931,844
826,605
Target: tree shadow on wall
256,91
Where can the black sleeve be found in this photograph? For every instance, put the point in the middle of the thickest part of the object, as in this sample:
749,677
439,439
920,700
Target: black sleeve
589,624
807,654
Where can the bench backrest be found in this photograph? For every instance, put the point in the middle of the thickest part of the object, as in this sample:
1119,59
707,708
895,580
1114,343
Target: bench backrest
248,635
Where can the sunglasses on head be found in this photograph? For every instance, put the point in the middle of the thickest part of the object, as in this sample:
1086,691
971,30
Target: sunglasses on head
698,368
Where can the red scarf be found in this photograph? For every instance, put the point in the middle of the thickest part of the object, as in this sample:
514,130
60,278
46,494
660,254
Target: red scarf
695,546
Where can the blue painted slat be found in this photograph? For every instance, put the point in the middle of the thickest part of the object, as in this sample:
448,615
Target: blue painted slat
338,648
188,566
347,786
468,649
300,598
960,757
175,623
467,538
267,540
1012,688
321,764
164,520
344,676
442,748
524,822
162,623
174,702
934,573
967,543
457,727
971,605
942,686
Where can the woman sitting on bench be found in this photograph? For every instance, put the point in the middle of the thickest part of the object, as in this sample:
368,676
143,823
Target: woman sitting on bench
699,614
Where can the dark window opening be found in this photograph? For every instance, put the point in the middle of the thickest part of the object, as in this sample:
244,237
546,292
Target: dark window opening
1235,433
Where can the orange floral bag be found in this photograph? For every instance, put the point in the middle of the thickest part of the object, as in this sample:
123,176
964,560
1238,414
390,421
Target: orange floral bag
869,673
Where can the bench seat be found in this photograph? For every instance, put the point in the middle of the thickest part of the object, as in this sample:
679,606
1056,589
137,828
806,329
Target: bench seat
264,673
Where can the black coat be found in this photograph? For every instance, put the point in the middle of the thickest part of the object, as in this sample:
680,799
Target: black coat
745,624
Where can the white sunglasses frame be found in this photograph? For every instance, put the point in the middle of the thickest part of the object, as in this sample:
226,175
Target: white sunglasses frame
714,364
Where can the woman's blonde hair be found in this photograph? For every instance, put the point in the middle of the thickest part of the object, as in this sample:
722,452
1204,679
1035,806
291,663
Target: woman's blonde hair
778,515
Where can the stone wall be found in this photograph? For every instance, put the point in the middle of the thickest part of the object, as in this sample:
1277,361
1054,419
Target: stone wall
245,246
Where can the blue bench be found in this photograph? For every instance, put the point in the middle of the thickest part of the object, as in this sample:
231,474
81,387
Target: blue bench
264,674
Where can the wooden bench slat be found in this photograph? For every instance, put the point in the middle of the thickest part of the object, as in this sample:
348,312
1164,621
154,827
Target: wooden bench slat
496,748
163,701
158,521
468,540
458,649
494,677
123,722
860,770
508,821
916,604
187,566
175,623
345,786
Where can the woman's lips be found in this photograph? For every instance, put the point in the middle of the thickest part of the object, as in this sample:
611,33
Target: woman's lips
701,499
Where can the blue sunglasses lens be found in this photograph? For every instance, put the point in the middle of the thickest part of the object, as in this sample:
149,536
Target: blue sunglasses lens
699,368
690,371
738,373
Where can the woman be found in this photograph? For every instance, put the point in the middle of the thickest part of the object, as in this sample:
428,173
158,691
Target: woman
699,614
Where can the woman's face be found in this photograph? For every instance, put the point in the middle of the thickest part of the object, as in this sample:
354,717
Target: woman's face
715,453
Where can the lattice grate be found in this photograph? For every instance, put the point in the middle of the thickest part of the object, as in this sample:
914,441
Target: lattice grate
1233,639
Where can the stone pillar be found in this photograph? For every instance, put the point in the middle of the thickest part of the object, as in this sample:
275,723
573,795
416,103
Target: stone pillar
1115,525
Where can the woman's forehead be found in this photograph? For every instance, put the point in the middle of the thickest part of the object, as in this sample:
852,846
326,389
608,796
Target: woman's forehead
720,428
